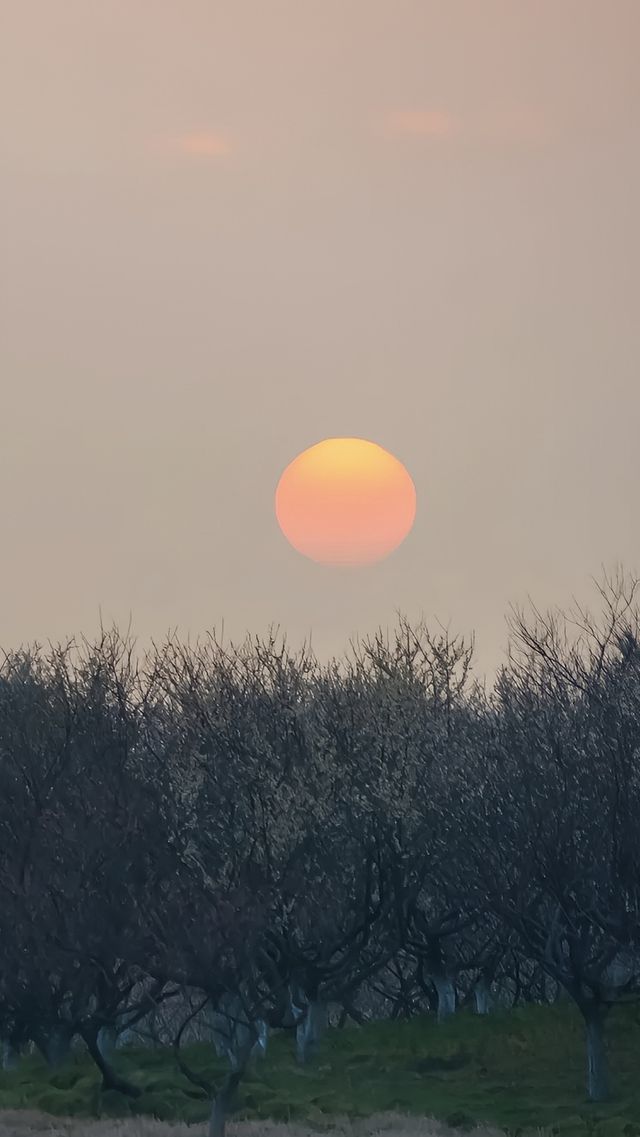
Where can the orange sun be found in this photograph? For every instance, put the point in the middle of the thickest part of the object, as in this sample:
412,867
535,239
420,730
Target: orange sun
345,501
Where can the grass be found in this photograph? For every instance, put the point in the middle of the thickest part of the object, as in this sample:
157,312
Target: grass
520,1071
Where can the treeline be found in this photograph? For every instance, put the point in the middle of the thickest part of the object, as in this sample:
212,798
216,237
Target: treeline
246,832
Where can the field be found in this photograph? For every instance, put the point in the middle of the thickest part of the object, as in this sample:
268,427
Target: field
520,1071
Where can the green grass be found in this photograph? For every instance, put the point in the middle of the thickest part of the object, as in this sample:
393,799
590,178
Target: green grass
519,1070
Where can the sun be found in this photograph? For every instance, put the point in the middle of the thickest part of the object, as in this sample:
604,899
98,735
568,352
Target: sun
345,501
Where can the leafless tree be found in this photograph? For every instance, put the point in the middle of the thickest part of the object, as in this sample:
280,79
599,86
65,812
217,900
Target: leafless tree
551,812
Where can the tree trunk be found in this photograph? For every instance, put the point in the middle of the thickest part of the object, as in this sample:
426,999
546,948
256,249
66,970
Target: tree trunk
310,1031
240,1055
259,1048
106,1040
446,992
125,1037
597,1071
482,996
10,1055
110,1079
222,1104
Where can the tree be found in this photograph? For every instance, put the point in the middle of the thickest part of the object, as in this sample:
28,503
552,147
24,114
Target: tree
419,728
225,751
69,822
550,816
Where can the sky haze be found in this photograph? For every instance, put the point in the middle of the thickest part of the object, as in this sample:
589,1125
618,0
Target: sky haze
231,229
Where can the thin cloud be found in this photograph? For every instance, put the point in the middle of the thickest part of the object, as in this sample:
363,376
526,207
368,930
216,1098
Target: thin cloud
207,144
199,144
507,126
420,123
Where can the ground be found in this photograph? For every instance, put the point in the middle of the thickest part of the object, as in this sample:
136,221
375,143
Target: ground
29,1124
520,1071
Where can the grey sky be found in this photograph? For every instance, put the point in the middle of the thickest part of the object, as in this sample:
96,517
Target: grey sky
232,228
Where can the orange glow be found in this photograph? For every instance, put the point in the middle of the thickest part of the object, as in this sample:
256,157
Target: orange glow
345,501
430,124
208,145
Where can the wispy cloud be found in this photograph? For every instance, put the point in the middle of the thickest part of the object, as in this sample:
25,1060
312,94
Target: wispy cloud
196,144
507,126
207,144
422,123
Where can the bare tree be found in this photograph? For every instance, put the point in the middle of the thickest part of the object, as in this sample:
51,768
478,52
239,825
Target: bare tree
551,812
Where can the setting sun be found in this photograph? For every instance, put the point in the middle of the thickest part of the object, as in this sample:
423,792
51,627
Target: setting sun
345,501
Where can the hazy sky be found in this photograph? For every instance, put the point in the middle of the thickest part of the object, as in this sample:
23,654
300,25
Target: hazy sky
231,228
